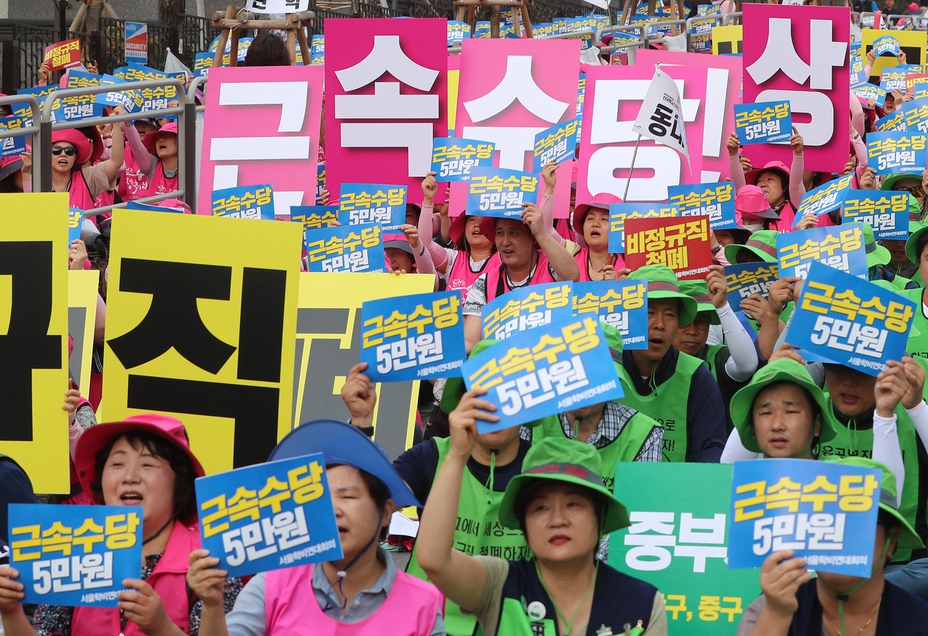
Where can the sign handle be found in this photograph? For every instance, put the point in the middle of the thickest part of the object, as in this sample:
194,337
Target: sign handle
631,169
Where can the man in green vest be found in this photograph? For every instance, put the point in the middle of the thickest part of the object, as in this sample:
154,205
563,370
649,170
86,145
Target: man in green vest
732,364
496,458
672,387
915,248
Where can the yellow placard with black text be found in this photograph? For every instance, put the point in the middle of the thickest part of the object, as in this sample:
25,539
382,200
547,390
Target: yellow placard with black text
726,40
329,344
204,331
82,310
912,43
34,336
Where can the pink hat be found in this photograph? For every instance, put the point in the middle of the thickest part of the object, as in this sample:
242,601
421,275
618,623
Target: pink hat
913,8
9,165
149,140
772,166
77,139
602,200
456,230
752,202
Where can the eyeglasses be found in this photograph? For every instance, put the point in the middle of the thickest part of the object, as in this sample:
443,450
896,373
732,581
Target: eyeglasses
69,151
916,191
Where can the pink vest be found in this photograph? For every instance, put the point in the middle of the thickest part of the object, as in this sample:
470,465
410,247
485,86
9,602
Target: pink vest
462,276
159,183
291,608
168,580
79,192
787,216
496,281
133,179
618,262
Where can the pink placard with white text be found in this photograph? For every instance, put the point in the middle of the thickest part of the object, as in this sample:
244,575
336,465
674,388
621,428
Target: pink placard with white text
799,54
386,100
262,126
511,90
614,95
723,91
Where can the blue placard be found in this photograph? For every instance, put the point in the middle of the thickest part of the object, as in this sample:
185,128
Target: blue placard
715,200
619,212
202,62
841,247
746,279
40,93
865,92
453,158
915,114
78,106
147,207
76,556
581,98
891,152
500,192
153,98
457,32
622,304
823,511
895,121
414,337
12,146
858,71
526,308
853,322
557,144
553,369
130,100
75,221
886,45
317,49
893,80
763,122
887,212
349,248
269,516
245,202
314,217
320,182
826,198
363,203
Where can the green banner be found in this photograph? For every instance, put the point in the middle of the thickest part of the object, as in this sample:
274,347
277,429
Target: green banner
678,542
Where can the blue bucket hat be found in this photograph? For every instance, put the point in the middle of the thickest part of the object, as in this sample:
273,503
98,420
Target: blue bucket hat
342,443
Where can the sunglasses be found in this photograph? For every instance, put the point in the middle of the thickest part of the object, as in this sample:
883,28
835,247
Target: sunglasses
69,151
916,191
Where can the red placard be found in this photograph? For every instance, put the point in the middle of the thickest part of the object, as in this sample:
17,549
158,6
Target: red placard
680,243
63,55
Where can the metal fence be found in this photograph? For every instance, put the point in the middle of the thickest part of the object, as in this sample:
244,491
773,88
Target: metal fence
158,38
22,55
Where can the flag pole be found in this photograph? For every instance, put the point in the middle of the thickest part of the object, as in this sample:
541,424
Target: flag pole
631,169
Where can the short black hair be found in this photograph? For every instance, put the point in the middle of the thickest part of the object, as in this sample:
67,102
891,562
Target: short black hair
268,49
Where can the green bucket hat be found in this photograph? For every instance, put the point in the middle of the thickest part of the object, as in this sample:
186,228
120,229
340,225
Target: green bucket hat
786,370
912,243
762,244
908,538
454,386
663,283
876,253
891,180
700,293
567,461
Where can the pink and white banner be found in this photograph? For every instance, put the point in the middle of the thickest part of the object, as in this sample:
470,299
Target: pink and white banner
799,54
386,99
722,92
262,127
510,91
614,95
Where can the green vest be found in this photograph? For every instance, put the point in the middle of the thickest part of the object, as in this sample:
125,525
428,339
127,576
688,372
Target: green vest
667,404
859,443
478,531
917,344
624,448
513,621
711,355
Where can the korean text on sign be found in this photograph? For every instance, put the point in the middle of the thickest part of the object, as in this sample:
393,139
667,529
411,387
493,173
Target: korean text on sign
825,198
747,279
269,516
714,200
12,146
351,248
886,212
75,220
916,115
500,192
897,151
314,217
412,337
680,244
362,203
620,212
841,247
842,319
763,122
75,555
62,55
563,366
526,308
453,159
557,144
245,202
825,512
622,304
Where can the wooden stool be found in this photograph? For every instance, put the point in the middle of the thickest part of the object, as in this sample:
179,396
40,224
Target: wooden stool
516,8
230,26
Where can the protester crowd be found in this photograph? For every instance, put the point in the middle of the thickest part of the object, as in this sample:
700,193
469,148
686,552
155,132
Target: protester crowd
716,383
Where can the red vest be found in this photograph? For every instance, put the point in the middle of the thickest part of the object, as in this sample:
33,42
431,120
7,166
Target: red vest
496,281
291,608
169,581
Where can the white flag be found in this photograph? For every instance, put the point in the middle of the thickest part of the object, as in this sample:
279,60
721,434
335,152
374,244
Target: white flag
602,4
661,115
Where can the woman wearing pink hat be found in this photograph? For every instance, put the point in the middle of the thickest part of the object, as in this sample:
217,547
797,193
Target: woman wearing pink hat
781,184
72,151
146,461
162,146
591,221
